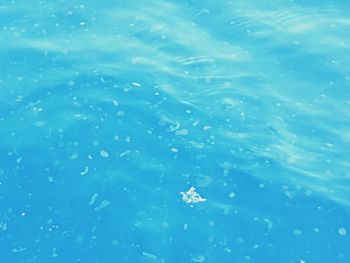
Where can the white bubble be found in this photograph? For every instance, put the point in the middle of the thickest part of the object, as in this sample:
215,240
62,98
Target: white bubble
342,231
232,195
104,153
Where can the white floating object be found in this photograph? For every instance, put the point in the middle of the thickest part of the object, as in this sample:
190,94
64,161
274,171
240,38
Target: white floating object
104,153
198,258
86,170
191,196
342,231
93,198
102,205
136,84
149,255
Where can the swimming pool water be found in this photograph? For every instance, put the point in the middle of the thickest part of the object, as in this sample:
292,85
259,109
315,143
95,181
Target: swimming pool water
174,131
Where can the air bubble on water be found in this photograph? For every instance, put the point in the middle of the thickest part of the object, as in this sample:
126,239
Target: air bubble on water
104,153
342,231
232,195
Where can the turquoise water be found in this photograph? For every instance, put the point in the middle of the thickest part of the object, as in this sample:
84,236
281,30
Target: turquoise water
110,111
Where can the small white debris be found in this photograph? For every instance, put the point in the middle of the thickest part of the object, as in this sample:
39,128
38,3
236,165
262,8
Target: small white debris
102,205
115,103
69,13
104,153
185,227
198,258
17,250
342,231
232,195
86,170
124,153
174,150
54,253
149,255
269,223
181,132
136,84
191,196
39,124
93,199
3,226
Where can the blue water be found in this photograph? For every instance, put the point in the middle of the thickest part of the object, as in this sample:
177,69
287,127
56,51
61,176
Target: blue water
110,109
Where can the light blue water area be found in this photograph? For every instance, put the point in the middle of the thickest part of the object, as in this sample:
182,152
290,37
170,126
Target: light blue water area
110,109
